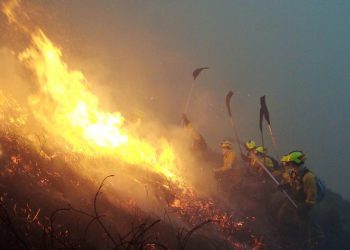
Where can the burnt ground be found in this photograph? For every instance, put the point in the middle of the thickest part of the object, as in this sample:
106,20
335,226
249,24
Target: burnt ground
46,205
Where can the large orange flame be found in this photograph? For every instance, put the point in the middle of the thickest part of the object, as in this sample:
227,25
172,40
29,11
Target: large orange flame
67,109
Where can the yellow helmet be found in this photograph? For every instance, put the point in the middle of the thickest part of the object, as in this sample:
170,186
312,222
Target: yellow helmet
297,157
226,144
250,145
284,158
261,150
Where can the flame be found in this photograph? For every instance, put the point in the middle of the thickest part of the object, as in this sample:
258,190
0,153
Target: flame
69,110
66,107
8,8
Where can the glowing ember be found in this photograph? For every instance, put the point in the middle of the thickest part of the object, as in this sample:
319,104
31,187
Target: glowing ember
68,110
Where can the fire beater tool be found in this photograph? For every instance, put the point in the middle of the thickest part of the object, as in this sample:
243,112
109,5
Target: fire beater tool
195,74
228,100
264,113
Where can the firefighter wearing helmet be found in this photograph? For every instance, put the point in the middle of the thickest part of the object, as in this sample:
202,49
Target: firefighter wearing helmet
259,154
302,181
229,156
269,162
303,186
286,169
229,173
250,146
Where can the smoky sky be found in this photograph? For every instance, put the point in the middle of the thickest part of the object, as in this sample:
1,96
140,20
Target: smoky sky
142,53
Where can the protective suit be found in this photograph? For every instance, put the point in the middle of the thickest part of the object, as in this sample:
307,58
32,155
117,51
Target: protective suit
229,174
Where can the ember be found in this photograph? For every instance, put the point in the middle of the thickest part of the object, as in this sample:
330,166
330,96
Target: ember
80,130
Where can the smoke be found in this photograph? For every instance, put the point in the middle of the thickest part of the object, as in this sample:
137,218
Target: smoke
12,76
144,101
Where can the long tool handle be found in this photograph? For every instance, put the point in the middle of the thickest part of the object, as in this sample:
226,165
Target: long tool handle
276,181
189,97
228,100
236,135
273,139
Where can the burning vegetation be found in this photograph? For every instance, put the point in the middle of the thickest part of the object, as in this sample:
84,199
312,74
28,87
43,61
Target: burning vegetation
74,176
62,140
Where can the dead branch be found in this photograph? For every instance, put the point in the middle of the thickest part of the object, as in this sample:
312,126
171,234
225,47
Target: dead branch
88,226
142,232
184,240
137,233
98,217
52,218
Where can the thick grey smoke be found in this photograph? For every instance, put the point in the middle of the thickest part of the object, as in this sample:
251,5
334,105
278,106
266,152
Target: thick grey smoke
140,56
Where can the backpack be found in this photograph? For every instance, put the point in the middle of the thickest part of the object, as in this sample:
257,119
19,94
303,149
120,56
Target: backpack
320,185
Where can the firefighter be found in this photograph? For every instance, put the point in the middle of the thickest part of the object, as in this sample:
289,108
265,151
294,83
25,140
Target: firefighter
229,157
250,146
286,170
229,172
258,156
264,188
302,184
302,181
269,162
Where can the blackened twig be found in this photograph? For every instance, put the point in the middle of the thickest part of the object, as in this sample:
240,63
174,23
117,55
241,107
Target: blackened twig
98,217
183,242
